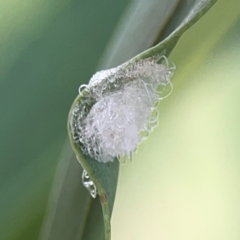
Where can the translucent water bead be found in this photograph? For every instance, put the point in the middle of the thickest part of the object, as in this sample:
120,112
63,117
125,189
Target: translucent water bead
88,184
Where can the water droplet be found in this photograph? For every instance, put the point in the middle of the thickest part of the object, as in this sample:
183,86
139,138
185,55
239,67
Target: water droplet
83,86
88,184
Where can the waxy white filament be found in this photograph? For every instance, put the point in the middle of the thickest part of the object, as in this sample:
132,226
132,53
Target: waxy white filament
125,98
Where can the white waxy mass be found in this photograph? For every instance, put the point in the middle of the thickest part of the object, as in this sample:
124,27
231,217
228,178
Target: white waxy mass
120,108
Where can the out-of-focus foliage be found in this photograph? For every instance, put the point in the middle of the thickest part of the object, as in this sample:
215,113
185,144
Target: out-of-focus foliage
47,49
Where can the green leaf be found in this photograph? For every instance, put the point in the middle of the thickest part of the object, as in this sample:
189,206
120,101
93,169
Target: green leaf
187,16
104,175
140,27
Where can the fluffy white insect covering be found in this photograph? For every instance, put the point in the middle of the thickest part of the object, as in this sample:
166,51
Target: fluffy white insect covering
123,110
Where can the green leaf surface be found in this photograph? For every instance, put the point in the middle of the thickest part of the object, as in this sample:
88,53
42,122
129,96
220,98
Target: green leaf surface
189,13
104,175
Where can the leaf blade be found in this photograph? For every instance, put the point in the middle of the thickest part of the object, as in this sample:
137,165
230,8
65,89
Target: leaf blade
105,176
199,9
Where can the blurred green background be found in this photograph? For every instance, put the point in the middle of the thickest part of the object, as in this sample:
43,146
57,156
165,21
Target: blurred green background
47,49
184,182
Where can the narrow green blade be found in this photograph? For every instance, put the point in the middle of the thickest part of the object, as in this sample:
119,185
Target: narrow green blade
104,175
